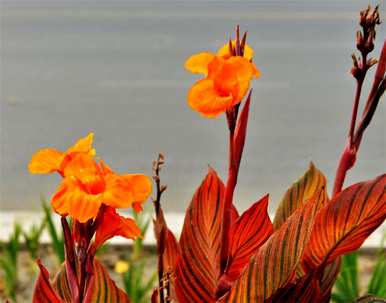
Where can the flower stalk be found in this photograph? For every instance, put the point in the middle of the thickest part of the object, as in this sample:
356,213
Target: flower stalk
369,19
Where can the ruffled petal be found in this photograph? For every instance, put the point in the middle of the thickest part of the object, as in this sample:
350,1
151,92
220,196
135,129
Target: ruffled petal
234,77
83,145
80,165
45,161
224,50
118,193
141,186
112,224
70,199
198,63
206,100
256,71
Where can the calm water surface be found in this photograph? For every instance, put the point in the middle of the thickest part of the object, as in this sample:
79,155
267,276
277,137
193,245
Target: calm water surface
116,68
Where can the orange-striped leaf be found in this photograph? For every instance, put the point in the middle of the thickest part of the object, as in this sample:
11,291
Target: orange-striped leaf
275,262
168,247
344,224
102,288
99,287
313,287
247,234
168,251
198,268
311,182
43,292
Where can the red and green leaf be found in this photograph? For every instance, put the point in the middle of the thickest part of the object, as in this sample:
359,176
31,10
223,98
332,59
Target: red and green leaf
345,223
198,268
313,181
168,247
100,288
43,292
275,262
247,234
168,251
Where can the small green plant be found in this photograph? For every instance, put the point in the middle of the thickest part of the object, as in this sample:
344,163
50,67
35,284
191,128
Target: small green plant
57,240
32,237
8,262
136,285
347,287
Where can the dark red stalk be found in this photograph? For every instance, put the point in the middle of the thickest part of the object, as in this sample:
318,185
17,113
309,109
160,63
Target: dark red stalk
228,198
160,241
365,44
234,157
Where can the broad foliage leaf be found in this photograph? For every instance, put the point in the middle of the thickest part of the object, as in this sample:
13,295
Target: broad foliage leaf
198,268
44,293
344,224
274,264
311,182
247,234
168,245
100,287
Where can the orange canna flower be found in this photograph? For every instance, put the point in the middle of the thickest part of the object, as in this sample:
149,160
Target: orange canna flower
88,184
226,81
50,160
112,224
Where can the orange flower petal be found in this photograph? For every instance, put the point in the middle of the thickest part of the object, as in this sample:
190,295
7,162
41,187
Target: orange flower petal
105,169
71,200
83,145
206,100
123,191
256,72
117,194
80,165
232,77
141,186
198,63
224,50
112,224
45,161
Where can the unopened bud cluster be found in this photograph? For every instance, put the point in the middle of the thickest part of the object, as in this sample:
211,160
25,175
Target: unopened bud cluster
368,20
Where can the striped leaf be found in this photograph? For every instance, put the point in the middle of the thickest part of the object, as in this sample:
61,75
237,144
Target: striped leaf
344,224
313,181
99,288
168,247
168,250
304,290
275,262
102,288
43,292
247,234
198,268
312,287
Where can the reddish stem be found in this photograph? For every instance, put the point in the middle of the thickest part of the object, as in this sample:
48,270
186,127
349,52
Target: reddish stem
355,110
228,198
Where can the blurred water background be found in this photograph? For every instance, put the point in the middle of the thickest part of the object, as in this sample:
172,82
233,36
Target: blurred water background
116,68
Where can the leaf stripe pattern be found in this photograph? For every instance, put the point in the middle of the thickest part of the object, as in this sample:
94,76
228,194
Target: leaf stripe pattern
100,287
43,292
274,264
198,267
247,234
344,224
305,188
